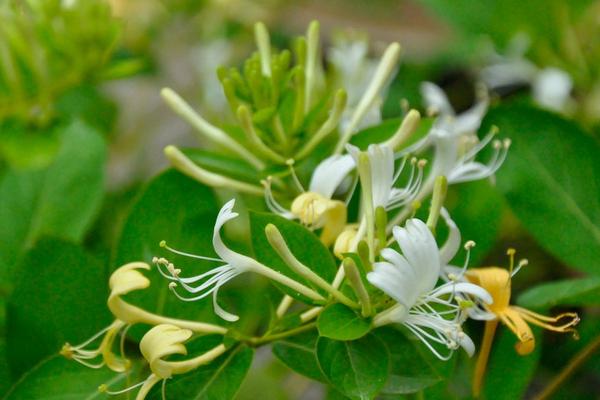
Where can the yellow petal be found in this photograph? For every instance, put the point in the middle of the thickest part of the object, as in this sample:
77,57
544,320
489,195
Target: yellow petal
513,320
317,211
161,341
497,282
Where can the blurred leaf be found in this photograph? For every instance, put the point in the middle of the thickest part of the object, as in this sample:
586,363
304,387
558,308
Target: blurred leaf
181,211
218,380
59,378
61,201
551,182
409,371
87,103
572,292
23,147
5,378
358,369
479,220
299,353
59,296
303,244
340,322
507,366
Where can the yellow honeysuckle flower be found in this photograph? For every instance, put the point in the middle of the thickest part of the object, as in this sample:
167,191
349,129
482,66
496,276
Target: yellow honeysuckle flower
497,281
158,343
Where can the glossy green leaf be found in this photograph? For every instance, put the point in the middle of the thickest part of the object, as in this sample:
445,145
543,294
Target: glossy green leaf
181,211
59,296
58,378
358,369
551,182
410,372
479,220
61,201
340,322
302,243
218,380
572,292
299,353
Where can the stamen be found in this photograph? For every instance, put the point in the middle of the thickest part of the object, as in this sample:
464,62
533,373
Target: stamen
104,388
521,264
163,244
272,204
290,164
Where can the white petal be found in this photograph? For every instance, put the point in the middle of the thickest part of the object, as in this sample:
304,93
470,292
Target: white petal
449,249
330,173
552,87
464,288
470,120
381,160
466,343
435,98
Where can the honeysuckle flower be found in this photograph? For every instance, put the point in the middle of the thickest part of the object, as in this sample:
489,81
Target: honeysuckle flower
157,344
124,280
455,142
410,279
234,264
497,281
316,207
551,86
384,176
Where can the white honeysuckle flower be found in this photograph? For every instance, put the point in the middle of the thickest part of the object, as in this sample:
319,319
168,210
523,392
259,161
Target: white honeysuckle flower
316,207
552,88
234,264
355,71
410,278
384,176
455,142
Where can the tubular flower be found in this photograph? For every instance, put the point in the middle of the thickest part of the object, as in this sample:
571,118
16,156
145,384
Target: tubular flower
384,176
234,264
410,279
158,343
316,207
497,281
455,142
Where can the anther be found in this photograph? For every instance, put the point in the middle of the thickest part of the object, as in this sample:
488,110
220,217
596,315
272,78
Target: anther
422,163
469,245
163,243
102,388
497,144
506,143
172,285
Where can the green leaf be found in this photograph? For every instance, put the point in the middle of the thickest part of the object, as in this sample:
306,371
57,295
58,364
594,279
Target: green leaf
506,365
218,380
87,103
410,372
340,322
60,296
479,220
59,378
551,182
358,369
303,244
181,211
61,201
299,354
572,292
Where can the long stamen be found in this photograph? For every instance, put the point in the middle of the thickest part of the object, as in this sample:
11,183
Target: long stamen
104,388
272,204
164,245
290,164
541,320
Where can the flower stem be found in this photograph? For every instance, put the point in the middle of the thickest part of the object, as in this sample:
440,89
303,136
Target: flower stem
576,362
269,338
484,354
